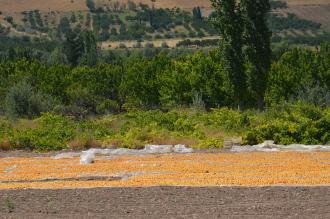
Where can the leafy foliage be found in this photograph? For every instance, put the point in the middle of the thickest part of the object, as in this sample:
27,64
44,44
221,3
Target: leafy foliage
305,124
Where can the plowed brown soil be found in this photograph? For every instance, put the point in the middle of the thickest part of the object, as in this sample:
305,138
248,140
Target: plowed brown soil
168,202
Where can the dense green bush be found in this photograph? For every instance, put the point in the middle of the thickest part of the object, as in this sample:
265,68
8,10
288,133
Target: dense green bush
285,124
22,101
305,124
49,132
227,119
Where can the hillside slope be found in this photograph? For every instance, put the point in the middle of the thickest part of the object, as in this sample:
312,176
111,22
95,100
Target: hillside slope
74,5
12,6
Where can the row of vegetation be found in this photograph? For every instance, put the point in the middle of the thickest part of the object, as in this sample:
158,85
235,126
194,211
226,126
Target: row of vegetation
196,84
160,82
79,98
286,124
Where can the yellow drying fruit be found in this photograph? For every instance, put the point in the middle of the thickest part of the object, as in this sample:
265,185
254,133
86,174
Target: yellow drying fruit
220,169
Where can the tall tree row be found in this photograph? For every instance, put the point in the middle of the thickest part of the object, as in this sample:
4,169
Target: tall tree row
245,46
258,51
229,22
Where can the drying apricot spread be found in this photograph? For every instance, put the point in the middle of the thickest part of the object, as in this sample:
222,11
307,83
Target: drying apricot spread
218,169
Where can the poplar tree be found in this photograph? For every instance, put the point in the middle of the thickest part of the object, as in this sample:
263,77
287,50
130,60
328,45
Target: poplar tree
257,37
91,5
73,46
90,51
229,22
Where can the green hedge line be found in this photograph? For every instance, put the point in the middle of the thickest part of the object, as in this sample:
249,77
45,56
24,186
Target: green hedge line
287,124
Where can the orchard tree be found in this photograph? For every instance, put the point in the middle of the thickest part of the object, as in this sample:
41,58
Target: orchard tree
90,50
91,5
197,14
257,38
73,46
57,57
229,22
64,26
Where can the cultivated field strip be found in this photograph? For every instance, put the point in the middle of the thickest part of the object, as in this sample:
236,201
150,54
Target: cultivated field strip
239,169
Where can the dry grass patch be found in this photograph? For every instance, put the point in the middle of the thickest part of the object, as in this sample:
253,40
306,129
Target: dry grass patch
5,145
84,143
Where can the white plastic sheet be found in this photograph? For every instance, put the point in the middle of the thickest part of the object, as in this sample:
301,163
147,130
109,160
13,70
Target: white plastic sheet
158,149
87,157
270,146
180,148
67,155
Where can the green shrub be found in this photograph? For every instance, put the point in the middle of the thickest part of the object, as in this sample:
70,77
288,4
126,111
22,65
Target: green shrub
107,106
211,143
285,124
289,124
52,133
22,101
227,119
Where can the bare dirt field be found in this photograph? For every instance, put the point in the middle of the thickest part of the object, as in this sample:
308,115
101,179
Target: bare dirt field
168,202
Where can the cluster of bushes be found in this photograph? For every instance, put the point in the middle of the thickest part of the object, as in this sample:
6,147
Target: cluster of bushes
278,4
16,48
4,31
285,124
129,130
9,19
292,124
